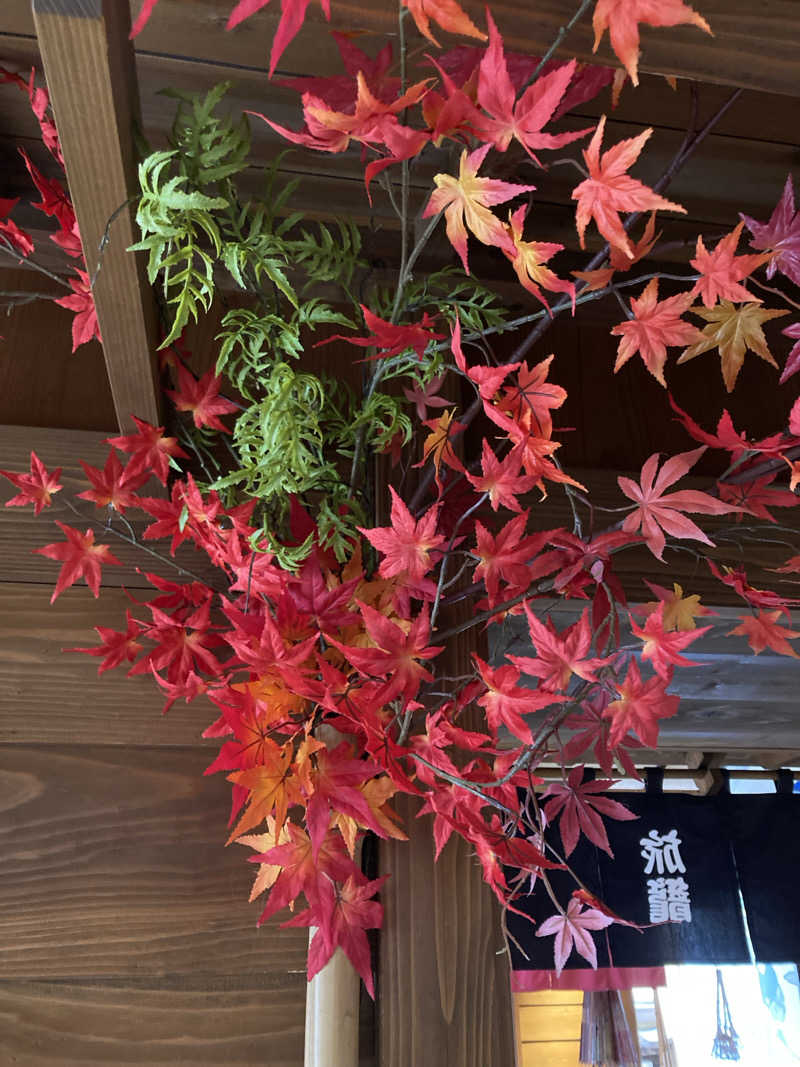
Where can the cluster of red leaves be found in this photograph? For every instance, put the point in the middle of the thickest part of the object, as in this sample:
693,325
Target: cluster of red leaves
329,683
55,203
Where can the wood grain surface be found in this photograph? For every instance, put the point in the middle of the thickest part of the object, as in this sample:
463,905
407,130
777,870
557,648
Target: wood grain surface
768,35
88,59
167,1022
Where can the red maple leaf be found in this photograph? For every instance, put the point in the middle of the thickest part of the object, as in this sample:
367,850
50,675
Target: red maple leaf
331,784
339,90
764,631
780,236
406,545
150,450
293,13
426,397
506,702
502,479
389,338
663,647
531,399
117,647
736,579
559,656
395,655
343,913
55,201
721,270
85,326
592,730
572,931
639,706
301,870
487,378
609,190
80,556
506,557
36,488
201,397
754,498
112,486
520,119
658,512
579,810
622,17
16,237
728,437
655,324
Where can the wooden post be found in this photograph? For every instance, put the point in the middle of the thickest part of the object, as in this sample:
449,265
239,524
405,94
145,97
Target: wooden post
444,994
89,66
332,1015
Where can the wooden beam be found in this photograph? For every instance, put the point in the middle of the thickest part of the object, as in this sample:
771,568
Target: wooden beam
88,64
753,45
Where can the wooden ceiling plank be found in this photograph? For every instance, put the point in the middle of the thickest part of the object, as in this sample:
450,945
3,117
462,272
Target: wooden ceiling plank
88,64
752,45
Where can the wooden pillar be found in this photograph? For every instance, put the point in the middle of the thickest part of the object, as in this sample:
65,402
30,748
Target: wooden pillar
444,993
332,1015
89,66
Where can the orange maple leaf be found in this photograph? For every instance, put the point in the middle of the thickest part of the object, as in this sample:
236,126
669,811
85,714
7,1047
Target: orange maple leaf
763,631
438,445
445,13
721,270
272,789
609,190
622,17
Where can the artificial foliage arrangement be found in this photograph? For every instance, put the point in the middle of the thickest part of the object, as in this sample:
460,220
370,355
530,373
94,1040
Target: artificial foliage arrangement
358,526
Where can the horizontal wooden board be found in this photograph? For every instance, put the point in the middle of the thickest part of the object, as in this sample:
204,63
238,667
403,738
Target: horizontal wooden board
550,1022
550,1054
50,695
114,865
176,1022
767,35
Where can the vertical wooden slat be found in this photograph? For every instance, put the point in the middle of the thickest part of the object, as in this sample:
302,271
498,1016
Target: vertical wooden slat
444,992
88,64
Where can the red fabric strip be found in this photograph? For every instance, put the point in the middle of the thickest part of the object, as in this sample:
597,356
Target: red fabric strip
588,980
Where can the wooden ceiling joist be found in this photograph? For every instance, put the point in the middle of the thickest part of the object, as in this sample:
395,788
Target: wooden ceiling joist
88,64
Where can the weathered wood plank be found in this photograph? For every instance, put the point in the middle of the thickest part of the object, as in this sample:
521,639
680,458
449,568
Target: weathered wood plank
444,982
87,58
174,1022
114,865
40,381
767,35
51,696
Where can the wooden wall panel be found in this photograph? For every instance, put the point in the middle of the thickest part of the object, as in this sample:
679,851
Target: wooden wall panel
172,1022
114,866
